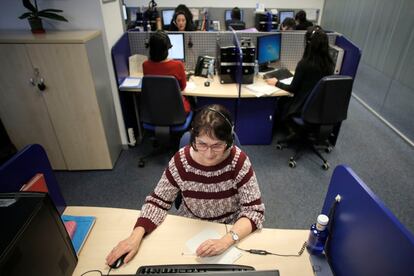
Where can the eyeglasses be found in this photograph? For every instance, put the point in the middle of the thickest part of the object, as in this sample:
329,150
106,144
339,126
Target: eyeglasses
201,146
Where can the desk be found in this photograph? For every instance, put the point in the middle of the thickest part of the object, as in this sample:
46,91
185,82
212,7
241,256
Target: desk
253,116
166,244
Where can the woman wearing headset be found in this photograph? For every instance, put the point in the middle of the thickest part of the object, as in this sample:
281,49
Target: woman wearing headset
182,19
315,64
217,183
159,64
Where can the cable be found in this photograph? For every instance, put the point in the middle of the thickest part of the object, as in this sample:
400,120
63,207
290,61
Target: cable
264,252
96,270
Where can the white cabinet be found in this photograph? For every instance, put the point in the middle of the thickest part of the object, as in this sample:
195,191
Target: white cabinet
73,118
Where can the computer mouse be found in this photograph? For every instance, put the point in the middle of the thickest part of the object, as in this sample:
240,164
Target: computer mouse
118,262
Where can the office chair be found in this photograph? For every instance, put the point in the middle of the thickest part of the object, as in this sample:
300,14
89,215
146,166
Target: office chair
325,108
185,140
236,25
162,110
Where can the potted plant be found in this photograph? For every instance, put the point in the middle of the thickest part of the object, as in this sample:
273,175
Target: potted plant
34,16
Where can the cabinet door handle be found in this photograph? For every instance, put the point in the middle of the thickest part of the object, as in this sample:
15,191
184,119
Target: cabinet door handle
41,85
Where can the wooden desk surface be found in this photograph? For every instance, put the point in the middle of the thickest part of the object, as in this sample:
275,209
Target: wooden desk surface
218,90
166,244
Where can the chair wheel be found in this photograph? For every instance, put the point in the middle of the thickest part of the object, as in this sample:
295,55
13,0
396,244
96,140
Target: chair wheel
328,149
141,163
325,166
279,146
292,163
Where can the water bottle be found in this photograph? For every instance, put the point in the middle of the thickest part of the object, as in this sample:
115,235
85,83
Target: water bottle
318,235
211,70
256,68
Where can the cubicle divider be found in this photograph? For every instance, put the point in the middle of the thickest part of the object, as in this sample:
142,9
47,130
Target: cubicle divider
206,43
25,164
120,55
366,238
352,56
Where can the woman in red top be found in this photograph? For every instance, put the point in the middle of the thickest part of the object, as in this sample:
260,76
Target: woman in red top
159,64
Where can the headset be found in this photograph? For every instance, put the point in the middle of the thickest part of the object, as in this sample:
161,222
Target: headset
227,120
315,29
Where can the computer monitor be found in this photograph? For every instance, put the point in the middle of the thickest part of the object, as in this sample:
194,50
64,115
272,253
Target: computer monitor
33,239
167,16
268,50
285,14
177,50
227,15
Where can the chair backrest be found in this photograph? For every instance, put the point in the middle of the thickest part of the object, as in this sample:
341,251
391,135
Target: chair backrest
185,139
236,25
161,101
328,102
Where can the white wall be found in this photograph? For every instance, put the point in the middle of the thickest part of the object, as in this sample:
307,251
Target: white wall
82,15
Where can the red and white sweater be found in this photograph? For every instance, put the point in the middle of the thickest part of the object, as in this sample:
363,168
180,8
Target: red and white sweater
221,193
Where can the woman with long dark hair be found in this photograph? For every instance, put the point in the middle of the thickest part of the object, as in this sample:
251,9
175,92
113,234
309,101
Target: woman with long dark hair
315,64
158,62
182,19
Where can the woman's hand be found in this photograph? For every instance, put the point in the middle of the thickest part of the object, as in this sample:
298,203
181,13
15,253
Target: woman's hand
213,247
272,81
130,245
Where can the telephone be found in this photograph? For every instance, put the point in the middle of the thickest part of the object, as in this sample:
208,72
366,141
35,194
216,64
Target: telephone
202,65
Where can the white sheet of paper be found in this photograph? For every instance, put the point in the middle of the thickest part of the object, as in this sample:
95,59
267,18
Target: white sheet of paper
227,257
262,89
190,86
131,82
287,81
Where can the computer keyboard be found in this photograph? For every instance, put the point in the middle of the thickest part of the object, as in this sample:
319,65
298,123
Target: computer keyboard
191,268
280,74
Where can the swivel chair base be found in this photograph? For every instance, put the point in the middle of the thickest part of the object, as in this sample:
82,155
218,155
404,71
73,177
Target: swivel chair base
301,147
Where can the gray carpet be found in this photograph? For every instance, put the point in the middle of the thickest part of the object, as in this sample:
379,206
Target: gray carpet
293,197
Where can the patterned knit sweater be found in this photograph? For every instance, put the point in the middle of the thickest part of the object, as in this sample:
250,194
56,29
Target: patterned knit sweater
221,193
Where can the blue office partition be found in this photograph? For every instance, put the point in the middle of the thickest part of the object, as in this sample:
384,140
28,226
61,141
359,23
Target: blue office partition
366,238
23,166
120,58
352,56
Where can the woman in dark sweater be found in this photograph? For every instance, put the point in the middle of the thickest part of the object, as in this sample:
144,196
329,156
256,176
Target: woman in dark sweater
314,65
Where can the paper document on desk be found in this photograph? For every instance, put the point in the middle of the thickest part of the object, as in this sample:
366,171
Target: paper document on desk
287,81
228,257
262,89
131,82
191,86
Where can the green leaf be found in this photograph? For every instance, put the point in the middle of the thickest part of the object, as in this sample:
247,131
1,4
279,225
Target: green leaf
28,5
51,10
52,16
26,15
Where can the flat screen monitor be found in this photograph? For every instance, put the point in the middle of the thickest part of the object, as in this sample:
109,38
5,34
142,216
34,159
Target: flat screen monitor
268,50
177,50
167,16
33,238
285,14
227,15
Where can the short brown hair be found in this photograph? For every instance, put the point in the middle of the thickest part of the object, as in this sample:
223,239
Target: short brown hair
214,121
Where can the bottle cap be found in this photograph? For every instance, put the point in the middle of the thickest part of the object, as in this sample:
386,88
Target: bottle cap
323,220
